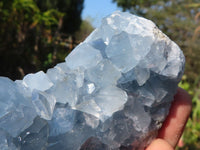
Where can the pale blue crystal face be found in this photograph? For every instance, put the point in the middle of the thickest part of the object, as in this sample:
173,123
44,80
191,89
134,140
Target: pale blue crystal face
114,91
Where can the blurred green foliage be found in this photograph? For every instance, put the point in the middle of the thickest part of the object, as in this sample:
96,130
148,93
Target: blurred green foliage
180,20
36,35
71,21
191,135
83,31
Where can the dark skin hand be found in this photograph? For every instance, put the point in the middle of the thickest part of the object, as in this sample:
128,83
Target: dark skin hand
173,127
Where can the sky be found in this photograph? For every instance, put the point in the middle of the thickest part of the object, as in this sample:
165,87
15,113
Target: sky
95,10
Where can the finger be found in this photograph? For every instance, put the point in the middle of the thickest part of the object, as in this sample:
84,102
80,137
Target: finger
175,122
159,144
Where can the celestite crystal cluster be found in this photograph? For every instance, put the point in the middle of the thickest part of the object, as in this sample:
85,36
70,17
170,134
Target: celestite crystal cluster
113,92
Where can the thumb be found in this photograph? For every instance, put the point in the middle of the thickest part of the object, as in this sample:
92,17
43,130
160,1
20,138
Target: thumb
159,144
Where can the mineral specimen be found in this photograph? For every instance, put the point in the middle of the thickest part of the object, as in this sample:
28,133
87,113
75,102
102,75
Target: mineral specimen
113,92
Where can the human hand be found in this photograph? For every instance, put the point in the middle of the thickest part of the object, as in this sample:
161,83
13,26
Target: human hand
173,126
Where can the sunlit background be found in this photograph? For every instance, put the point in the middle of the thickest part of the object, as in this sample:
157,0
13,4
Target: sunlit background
37,34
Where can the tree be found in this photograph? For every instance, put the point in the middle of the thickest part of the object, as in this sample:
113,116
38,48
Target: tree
30,34
71,8
177,20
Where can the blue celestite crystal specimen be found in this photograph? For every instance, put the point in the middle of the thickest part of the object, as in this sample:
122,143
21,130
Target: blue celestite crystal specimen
113,92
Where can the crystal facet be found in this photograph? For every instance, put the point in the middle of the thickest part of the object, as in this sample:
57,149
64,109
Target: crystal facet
113,92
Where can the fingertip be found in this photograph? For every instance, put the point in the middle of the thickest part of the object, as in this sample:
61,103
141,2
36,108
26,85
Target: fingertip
159,144
175,122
